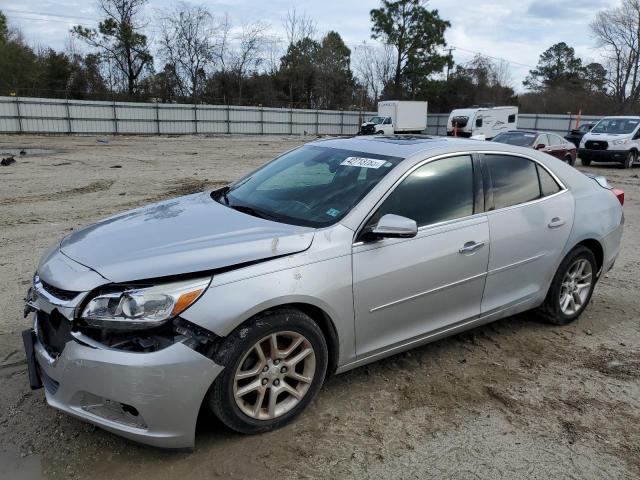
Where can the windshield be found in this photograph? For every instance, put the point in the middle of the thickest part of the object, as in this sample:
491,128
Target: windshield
310,186
520,139
377,120
616,125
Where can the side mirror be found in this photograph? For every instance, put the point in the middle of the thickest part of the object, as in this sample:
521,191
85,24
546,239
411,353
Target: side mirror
394,226
540,146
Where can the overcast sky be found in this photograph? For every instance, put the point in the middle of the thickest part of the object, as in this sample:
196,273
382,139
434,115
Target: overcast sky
515,30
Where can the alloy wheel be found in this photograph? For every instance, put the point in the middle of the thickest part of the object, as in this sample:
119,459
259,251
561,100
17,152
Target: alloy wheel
274,375
575,288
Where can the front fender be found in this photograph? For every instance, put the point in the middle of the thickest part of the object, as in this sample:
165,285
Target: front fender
325,283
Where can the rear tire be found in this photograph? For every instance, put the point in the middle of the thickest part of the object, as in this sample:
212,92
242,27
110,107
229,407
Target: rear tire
278,381
630,160
571,288
585,161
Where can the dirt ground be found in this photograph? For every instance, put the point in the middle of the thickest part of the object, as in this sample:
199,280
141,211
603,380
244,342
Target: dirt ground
515,399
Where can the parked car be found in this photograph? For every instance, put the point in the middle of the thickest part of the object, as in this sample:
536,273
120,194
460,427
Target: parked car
549,143
577,133
482,122
335,254
612,139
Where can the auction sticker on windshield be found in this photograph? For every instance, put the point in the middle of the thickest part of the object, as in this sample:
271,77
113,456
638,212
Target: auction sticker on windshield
363,162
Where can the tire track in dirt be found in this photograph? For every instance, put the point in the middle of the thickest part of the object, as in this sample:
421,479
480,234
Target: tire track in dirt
98,186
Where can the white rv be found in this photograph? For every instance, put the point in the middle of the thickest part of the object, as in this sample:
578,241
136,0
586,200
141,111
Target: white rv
482,123
396,116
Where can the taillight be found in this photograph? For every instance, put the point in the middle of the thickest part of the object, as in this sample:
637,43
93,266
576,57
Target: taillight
619,195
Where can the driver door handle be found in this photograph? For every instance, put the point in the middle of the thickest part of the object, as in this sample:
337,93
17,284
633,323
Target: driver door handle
471,248
556,222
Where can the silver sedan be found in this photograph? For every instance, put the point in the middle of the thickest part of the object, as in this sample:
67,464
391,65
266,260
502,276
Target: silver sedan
333,255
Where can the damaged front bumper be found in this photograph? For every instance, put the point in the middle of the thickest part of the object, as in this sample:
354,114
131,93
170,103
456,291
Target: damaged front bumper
152,398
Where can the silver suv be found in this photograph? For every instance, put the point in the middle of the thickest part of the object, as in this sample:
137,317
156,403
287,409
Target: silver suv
335,254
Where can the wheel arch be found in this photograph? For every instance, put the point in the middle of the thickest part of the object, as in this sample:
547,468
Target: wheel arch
319,316
596,247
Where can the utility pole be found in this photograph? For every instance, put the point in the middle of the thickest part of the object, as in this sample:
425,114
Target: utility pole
451,49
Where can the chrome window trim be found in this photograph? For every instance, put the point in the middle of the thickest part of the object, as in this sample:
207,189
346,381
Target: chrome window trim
400,180
514,154
563,188
530,202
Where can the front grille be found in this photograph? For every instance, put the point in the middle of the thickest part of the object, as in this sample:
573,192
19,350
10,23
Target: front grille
596,145
367,129
60,294
54,331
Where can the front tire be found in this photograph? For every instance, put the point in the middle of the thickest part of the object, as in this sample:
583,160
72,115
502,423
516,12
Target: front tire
569,159
630,160
571,288
274,367
585,161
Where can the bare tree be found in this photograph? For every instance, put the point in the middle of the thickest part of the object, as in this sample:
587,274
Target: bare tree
186,41
617,32
247,55
374,67
119,39
223,42
298,26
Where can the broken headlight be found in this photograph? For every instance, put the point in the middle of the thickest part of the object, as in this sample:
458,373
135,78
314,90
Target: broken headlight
134,307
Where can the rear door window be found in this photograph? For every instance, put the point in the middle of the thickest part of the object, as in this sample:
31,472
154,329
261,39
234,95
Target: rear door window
543,139
514,180
555,140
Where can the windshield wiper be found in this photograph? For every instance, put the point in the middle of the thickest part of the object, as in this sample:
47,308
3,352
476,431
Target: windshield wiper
254,212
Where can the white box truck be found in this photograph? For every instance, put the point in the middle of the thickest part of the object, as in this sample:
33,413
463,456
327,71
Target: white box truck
482,122
397,116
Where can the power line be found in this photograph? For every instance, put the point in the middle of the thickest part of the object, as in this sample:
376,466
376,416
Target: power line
27,12
492,57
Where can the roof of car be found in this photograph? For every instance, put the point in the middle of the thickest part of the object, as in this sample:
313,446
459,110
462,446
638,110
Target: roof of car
395,145
535,132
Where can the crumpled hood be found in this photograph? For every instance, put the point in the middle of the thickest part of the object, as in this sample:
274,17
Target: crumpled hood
182,235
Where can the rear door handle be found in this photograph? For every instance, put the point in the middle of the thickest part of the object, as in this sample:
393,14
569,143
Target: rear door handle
556,222
471,248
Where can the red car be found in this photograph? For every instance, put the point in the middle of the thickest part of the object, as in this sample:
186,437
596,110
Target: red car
550,143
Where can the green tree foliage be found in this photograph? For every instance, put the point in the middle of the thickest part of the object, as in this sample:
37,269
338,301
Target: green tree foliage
480,81
18,62
336,82
557,66
119,39
561,83
298,70
4,29
417,35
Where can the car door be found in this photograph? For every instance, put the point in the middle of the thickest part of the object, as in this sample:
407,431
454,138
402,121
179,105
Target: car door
388,126
558,146
530,217
406,288
542,143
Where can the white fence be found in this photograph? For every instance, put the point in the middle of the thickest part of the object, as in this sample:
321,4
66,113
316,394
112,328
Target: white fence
59,116
43,115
